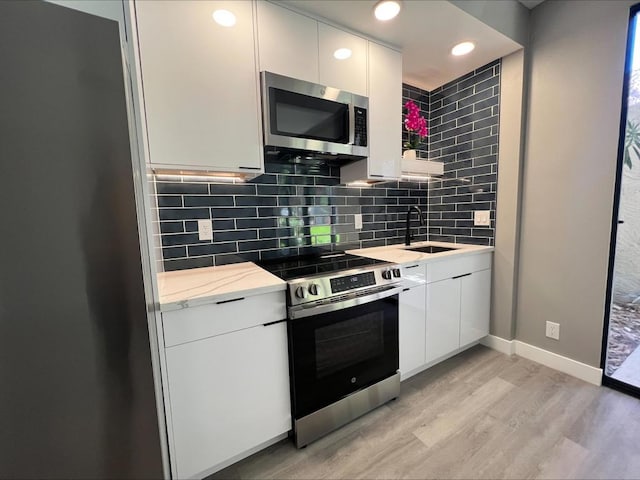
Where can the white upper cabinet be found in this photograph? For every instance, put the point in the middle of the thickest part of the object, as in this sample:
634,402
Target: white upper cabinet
385,119
200,86
287,42
385,112
350,73
300,47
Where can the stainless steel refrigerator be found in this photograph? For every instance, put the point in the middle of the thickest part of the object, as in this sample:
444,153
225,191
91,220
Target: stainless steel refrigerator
77,396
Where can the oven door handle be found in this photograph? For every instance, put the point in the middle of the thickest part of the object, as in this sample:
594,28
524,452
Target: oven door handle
303,311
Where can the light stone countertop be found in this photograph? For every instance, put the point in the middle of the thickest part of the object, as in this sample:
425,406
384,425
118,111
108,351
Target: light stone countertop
199,286
398,254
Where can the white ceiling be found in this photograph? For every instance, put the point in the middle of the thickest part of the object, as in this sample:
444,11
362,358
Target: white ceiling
425,31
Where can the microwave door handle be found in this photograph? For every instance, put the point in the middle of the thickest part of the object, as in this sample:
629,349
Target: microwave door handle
352,124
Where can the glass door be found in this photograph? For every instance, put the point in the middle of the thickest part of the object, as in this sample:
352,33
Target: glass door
621,345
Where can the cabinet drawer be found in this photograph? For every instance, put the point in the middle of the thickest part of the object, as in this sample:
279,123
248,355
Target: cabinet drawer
414,273
458,266
194,323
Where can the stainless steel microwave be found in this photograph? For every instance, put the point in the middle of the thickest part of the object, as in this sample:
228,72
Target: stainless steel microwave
306,116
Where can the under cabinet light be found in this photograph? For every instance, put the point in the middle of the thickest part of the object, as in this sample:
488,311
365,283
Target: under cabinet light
186,178
224,18
417,178
386,10
358,183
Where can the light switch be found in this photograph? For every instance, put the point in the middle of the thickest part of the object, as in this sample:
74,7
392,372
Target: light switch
482,218
205,229
357,218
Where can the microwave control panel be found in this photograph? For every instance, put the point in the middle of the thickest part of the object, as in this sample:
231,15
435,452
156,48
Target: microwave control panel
360,137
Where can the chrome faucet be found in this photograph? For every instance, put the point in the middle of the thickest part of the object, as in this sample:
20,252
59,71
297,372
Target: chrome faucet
408,236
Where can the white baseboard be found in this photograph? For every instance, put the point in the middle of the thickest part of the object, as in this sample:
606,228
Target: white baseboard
549,359
500,344
566,365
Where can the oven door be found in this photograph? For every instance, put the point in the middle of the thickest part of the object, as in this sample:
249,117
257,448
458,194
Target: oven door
336,353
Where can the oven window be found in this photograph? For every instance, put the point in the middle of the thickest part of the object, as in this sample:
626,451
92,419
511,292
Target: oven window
348,343
303,116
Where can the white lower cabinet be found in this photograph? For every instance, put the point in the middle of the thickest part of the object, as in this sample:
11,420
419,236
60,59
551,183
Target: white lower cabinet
475,303
458,303
228,393
447,314
411,329
443,318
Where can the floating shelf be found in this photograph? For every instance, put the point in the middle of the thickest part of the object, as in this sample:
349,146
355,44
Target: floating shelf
421,168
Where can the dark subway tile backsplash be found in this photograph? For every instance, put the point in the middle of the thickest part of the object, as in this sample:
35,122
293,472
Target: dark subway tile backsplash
306,208
463,134
296,207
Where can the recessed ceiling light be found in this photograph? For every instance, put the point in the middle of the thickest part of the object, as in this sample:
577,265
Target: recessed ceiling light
386,10
462,48
342,53
224,18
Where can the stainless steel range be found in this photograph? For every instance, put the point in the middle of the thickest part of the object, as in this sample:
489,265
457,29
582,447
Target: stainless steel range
343,338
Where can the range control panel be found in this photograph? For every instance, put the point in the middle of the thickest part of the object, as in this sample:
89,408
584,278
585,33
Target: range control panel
350,282
322,287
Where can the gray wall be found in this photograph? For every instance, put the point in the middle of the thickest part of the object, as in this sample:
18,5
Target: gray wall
508,17
577,60
508,197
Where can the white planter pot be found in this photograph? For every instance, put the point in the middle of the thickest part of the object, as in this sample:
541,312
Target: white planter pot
409,154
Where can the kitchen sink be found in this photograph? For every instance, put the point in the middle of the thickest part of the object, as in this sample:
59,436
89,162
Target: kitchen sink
430,249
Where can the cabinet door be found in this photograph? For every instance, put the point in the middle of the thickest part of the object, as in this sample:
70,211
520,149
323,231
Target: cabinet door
228,394
475,306
287,42
200,85
348,74
385,112
411,331
443,318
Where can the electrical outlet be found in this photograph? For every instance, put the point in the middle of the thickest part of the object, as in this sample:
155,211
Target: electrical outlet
205,229
482,218
357,218
553,330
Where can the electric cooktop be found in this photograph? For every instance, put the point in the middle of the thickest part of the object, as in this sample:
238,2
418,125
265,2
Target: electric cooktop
288,268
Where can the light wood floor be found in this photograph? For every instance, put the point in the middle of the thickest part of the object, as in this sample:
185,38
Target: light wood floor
480,414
